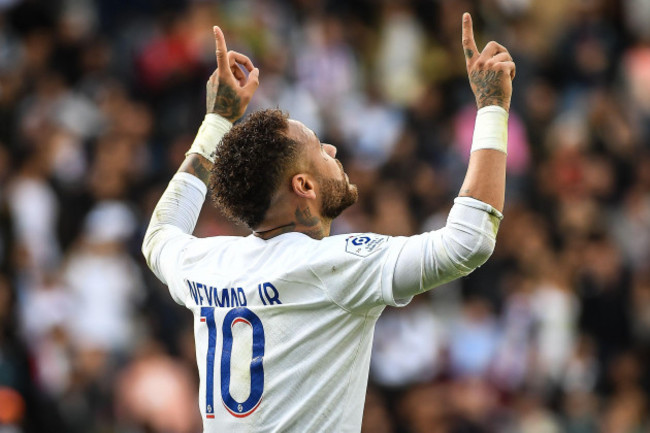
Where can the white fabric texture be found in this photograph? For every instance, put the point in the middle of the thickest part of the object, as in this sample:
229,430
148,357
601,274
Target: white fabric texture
317,302
175,215
434,258
213,128
491,129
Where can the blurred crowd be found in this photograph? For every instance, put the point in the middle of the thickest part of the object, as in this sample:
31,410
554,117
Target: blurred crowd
99,99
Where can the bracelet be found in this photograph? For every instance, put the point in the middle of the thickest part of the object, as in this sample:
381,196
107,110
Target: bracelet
491,129
212,130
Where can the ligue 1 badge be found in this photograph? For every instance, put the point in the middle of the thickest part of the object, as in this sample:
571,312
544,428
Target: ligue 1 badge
364,245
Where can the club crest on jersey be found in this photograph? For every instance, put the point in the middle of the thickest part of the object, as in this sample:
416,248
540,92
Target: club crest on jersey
364,245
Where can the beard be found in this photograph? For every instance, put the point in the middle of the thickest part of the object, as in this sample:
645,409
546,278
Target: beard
336,196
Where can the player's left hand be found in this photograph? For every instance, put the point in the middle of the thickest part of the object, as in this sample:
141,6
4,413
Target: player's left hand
490,71
229,90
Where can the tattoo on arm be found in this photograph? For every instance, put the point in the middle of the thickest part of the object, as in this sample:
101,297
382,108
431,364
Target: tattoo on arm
224,101
488,89
466,193
198,166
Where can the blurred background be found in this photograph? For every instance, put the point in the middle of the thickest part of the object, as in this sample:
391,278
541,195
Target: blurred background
99,99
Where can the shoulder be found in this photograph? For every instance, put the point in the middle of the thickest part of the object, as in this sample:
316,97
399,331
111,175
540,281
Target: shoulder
354,249
355,269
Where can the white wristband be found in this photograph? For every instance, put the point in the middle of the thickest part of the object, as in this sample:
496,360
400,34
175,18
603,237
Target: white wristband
491,129
212,130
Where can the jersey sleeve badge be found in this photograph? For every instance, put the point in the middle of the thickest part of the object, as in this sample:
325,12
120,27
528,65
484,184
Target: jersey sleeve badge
364,245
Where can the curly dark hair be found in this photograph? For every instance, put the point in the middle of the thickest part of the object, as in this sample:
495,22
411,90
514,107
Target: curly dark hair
250,163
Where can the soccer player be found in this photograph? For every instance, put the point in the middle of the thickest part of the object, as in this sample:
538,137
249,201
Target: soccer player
284,318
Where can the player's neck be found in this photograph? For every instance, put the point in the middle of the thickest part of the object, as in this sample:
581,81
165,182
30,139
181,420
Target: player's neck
288,228
303,221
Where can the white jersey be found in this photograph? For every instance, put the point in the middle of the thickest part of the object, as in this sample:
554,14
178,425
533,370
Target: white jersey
283,327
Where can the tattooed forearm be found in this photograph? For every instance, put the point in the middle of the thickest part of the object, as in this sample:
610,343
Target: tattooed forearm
488,88
305,217
198,166
224,101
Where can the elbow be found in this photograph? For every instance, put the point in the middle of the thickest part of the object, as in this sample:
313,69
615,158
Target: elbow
470,235
483,249
469,250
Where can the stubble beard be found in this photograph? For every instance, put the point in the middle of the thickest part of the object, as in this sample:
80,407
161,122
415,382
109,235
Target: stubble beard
336,196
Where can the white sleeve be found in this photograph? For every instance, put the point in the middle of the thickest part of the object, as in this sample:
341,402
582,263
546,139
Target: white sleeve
431,259
356,270
171,226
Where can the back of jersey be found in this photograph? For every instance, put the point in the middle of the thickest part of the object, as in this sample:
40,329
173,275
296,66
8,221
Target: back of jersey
283,328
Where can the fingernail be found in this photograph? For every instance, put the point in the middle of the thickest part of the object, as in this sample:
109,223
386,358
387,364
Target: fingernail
465,16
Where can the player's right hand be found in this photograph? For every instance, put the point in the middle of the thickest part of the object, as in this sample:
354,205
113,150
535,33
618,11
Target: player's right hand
490,72
229,90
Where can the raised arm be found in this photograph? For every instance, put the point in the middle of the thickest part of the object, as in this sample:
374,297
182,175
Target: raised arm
228,93
469,237
490,75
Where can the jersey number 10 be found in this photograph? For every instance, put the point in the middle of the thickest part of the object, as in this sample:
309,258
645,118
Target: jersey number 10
234,316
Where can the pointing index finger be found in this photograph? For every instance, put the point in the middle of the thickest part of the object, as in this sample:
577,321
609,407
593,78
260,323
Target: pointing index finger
222,50
469,44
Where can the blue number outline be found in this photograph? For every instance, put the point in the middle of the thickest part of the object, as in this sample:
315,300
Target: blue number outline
245,408
236,315
207,316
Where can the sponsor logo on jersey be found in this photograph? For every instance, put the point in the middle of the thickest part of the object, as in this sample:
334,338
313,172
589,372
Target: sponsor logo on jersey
364,245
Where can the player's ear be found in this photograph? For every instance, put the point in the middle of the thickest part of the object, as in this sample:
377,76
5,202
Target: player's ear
303,185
